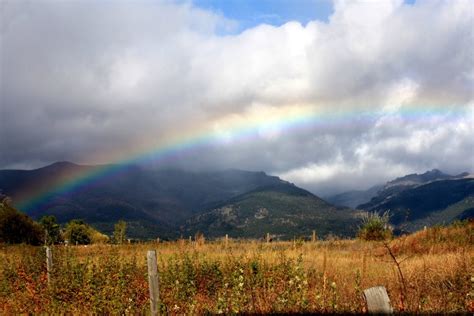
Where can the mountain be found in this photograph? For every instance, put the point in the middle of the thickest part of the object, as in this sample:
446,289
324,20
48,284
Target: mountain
353,198
100,203
418,179
283,210
170,203
153,202
395,187
436,202
356,198
416,200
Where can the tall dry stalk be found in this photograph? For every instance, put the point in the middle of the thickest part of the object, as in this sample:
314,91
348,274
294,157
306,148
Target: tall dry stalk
401,278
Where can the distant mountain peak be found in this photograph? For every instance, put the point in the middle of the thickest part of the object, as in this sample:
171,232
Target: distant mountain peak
417,179
60,165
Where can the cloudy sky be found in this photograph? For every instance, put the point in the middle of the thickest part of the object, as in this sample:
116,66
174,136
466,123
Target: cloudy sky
387,85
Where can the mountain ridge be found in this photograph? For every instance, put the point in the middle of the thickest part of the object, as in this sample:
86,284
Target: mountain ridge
155,201
357,198
173,202
434,202
410,181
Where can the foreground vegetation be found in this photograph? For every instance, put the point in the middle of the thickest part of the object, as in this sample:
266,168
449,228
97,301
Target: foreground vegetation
245,276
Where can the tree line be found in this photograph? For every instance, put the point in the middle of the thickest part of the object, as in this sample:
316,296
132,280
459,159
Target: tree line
17,227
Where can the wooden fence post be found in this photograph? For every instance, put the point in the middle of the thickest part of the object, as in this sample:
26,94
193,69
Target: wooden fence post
313,237
153,282
268,238
49,264
377,300
226,240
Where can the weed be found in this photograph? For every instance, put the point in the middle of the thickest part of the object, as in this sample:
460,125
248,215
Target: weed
429,272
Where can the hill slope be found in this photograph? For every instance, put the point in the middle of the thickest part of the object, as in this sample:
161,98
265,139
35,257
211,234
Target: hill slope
285,211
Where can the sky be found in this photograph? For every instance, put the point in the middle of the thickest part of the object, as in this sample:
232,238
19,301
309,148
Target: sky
331,95
251,13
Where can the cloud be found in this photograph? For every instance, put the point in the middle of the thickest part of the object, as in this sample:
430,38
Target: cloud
91,82
394,147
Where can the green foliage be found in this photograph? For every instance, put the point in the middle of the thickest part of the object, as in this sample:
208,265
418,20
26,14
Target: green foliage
375,226
78,232
294,291
51,229
97,237
16,228
120,229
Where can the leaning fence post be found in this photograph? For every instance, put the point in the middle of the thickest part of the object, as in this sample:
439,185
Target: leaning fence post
153,282
377,300
49,264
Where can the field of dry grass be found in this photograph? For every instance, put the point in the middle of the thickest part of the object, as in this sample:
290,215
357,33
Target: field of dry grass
245,276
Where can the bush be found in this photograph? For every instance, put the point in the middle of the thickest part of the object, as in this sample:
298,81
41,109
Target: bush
375,226
97,237
79,232
16,227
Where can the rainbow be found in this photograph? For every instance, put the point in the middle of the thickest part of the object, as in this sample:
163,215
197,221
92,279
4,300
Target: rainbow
229,130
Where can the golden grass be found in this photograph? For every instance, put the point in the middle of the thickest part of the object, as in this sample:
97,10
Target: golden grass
244,276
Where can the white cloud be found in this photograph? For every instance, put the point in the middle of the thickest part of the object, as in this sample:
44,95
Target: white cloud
88,81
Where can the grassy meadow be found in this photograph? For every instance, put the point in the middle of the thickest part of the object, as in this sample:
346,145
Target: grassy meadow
245,276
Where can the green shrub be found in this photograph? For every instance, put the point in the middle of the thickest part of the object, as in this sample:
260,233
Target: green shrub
79,232
375,226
